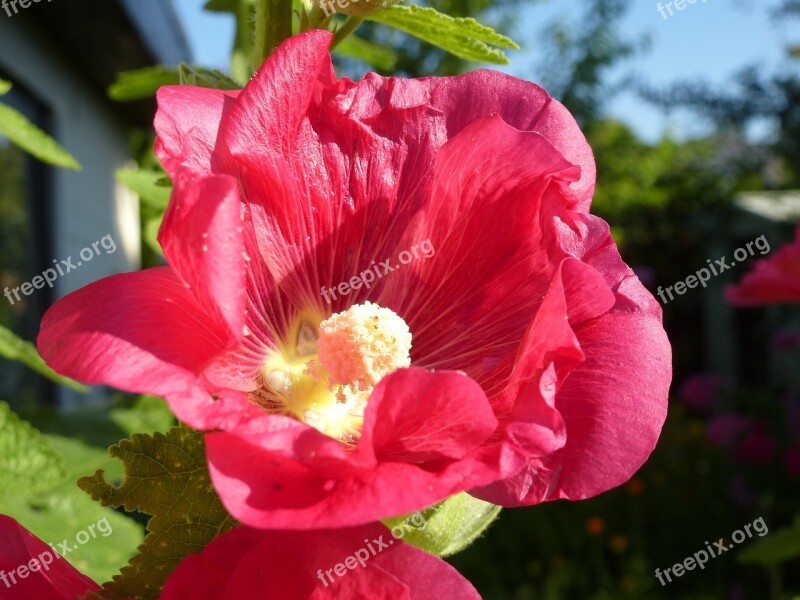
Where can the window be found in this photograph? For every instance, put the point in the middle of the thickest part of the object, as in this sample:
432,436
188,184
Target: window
25,192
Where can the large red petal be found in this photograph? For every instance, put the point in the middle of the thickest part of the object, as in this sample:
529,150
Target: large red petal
340,564
142,332
523,105
187,124
469,304
203,241
306,479
47,576
417,416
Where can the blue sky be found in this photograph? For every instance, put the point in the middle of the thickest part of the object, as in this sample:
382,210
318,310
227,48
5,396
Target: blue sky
710,39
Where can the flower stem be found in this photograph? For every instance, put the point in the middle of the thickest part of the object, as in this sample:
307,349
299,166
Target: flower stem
273,25
348,27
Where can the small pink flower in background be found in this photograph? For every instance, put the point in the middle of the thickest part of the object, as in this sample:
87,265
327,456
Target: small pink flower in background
786,339
791,460
756,447
646,274
741,493
772,280
700,391
723,429
524,362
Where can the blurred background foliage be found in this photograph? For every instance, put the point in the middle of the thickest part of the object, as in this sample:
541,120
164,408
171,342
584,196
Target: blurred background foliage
730,452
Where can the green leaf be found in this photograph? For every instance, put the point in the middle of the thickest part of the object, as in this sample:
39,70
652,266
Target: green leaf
150,234
464,37
142,83
781,546
210,78
166,476
5,87
65,511
27,461
20,131
374,55
450,526
15,348
147,185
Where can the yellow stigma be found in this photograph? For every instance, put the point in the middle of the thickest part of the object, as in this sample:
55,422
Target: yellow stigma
324,375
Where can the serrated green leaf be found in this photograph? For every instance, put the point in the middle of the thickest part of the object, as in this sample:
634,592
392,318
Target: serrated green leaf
142,83
5,87
464,37
65,511
13,347
210,78
166,476
27,461
146,184
781,546
20,131
450,526
372,54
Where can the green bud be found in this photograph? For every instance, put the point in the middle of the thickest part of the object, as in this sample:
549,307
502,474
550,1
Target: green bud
447,528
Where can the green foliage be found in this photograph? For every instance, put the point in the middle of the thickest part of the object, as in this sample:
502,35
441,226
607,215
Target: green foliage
147,184
374,55
244,13
27,462
143,83
450,526
20,131
210,78
13,347
166,476
781,546
579,57
37,487
464,37
60,513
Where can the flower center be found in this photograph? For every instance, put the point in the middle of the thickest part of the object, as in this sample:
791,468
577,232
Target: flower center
324,377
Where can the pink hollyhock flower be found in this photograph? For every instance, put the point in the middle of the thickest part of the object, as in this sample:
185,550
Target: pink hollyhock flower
346,564
700,391
772,280
724,429
791,459
757,446
32,570
514,354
